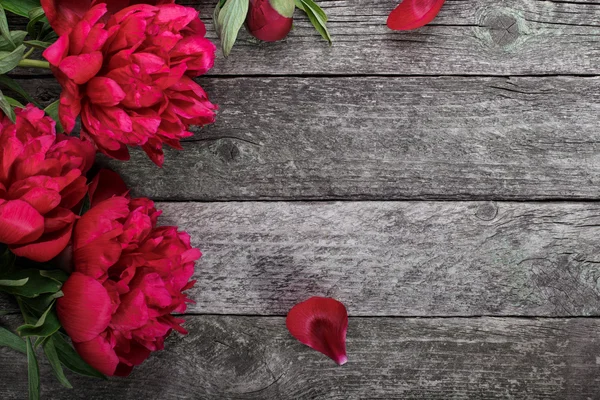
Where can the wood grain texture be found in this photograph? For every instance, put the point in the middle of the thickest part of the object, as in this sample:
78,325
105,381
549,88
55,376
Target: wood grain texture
484,37
475,37
382,138
256,358
395,258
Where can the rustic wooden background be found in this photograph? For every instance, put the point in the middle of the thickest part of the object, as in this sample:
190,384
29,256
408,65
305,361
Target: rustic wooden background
441,183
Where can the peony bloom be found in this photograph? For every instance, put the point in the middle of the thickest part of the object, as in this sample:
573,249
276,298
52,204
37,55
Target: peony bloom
42,179
265,23
129,278
321,323
413,14
127,71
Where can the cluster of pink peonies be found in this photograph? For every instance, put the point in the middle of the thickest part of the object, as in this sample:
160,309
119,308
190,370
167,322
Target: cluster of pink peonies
127,71
128,275
128,278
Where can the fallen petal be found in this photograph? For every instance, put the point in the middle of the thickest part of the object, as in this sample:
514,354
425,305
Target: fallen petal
413,14
321,323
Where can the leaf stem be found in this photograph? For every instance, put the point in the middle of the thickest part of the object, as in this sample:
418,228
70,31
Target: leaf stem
26,55
34,64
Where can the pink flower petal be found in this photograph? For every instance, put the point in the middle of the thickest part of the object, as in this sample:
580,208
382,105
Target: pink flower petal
98,353
82,68
104,91
64,14
321,323
106,184
19,222
85,309
413,14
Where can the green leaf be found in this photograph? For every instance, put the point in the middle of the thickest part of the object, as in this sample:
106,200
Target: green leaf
9,339
58,275
47,325
36,285
9,83
52,111
17,38
38,44
70,359
52,356
7,110
40,340
13,102
14,283
33,372
35,15
20,7
38,305
284,7
4,28
316,15
9,60
229,21
86,205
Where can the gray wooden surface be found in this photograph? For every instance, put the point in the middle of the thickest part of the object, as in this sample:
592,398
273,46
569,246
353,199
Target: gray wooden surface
483,283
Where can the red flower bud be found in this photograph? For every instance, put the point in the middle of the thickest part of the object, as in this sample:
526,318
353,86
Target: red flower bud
265,23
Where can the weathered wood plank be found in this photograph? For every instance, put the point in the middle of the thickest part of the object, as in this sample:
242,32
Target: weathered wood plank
488,37
383,138
484,37
395,258
255,358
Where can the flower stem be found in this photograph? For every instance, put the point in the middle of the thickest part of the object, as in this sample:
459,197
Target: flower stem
34,64
30,52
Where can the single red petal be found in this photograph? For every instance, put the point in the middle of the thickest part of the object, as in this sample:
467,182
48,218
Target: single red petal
106,184
81,68
104,91
321,323
63,15
85,309
19,222
58,51
45,248
100,354
413,14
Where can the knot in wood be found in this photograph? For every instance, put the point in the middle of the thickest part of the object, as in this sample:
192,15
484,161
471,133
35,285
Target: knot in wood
487,211
502,27
227,150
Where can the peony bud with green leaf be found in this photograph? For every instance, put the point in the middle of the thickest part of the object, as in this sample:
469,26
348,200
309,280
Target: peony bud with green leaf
266,20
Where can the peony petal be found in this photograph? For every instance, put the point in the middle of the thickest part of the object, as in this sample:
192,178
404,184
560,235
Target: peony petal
321,324
132,312
98,353
19,222
106,184
413,14
45,248
104,91
64,14
58,51
85,309
82,68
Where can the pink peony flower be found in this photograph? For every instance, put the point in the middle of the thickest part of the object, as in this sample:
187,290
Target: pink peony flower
128,72
129,278
42,179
